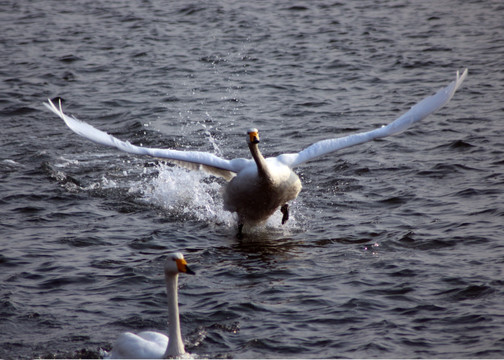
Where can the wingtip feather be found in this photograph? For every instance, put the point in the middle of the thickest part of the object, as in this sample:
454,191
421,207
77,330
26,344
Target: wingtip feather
460,78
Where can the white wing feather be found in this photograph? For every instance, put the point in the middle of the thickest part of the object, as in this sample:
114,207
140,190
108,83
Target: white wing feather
189,159
418,112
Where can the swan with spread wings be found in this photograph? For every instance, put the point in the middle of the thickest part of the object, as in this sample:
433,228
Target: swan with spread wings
260,186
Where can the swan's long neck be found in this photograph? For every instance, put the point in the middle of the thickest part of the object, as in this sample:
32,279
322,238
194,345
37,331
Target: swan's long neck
175,344
262,167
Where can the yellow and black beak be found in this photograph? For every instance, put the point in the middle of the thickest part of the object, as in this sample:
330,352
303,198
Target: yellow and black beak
182,267
254,136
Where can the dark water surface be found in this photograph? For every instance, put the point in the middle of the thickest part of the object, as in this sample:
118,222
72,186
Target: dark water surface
395,248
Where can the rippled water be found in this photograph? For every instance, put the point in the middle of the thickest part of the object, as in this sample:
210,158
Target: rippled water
395,247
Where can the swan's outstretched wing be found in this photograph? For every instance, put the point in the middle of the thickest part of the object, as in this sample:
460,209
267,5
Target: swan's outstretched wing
194,160
418,112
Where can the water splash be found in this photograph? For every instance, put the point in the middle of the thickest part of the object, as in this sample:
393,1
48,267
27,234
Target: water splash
211,138
192,193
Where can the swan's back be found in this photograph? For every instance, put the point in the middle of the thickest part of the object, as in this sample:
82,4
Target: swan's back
145,345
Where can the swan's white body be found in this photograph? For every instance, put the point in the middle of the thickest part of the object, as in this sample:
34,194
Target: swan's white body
258,190
257,187
150,344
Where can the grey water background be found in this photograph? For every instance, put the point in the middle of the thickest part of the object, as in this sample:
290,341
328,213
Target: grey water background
395,248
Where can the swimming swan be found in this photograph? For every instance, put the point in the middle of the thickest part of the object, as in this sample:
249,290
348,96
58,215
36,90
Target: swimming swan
257,188
150,344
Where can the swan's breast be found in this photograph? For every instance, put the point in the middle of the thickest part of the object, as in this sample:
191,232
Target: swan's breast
254,197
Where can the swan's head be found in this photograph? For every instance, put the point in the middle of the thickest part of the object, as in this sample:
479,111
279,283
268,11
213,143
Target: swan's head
175,263
253,136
